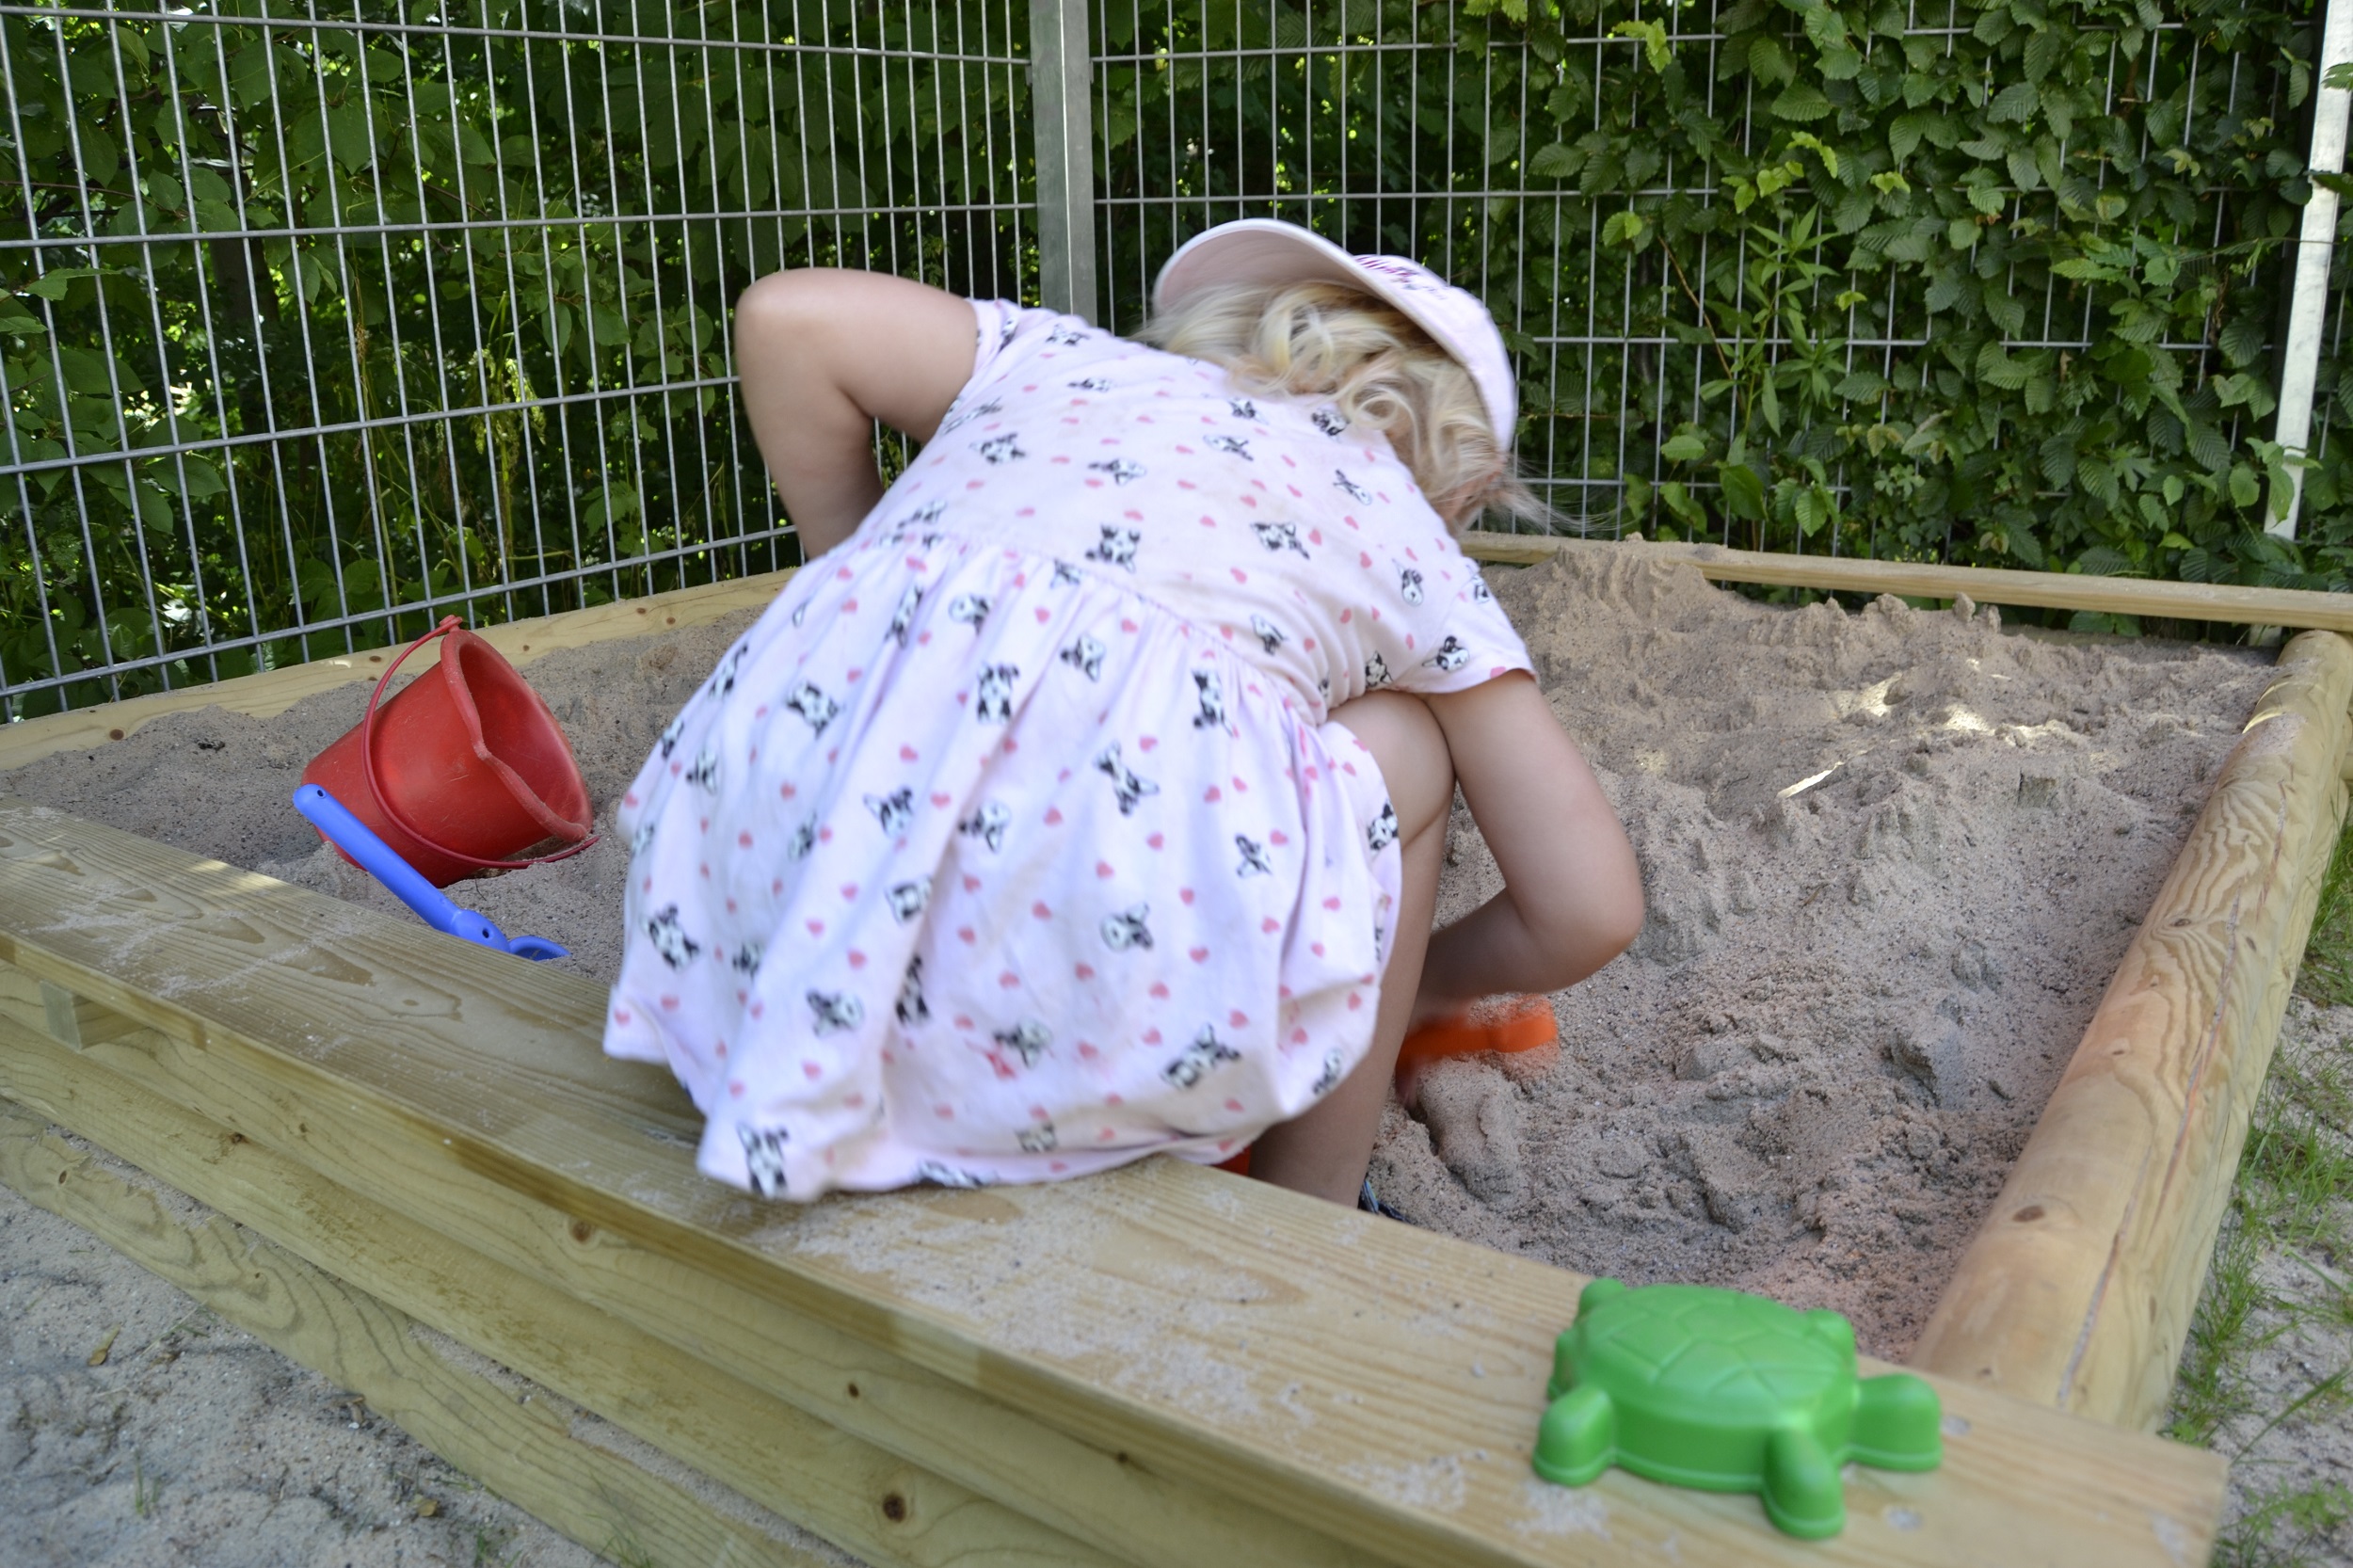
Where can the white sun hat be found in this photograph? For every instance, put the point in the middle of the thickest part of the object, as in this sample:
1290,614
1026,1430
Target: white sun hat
1267,251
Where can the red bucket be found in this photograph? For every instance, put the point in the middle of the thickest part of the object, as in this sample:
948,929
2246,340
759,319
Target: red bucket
464,768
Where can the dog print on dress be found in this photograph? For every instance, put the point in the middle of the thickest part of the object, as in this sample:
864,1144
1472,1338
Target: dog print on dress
1381,832
1409,585
746,960
1354,491
1328,1080
670,735
957,419
1000,449
992,698
1085,655
1195,1061
1027,1040
812,705
1123,470
1253,860
1452,654
1038,1139
1090,384
1280,536
907,899
1376,672
1117,548
804,840
834,1012
894,812
988,824
1212,698
1129,928
1130,790
670,939
723,679
910,1009
763,1157
1234,446
903,618
1244,408
704,774
1329,419
968,610
1270,635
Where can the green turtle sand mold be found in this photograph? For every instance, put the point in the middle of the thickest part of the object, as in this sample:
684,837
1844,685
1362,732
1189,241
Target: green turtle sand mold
1727,1392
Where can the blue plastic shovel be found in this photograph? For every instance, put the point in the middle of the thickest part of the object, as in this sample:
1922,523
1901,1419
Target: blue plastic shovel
381,861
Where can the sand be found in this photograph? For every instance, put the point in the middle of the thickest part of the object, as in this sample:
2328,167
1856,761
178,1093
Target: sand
194,1443
1891,858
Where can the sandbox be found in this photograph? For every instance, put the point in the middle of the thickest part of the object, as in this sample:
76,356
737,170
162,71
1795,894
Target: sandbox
1170,1339
1842,1018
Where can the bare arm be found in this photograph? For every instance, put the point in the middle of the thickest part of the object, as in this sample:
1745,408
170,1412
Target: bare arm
824,354
1572,897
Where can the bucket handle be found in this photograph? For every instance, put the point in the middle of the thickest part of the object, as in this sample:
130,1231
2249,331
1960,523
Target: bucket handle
393,814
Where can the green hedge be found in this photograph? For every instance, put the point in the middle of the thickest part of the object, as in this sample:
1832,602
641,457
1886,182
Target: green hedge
1763,187
1775,184
158,125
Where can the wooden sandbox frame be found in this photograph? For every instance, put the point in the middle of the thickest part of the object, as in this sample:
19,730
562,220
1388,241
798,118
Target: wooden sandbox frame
1161,1367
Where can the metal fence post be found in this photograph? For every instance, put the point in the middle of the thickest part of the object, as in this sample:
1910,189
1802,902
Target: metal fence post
1060,68
2308,311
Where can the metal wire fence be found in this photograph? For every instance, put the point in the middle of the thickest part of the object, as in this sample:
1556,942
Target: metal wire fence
325,324
1502,167
316,326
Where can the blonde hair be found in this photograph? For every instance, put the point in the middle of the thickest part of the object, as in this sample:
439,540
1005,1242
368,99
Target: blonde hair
1330,341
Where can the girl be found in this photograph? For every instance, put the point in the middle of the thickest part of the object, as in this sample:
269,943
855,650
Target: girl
1085,796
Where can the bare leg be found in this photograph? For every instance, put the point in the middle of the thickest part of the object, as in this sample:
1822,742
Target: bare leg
1324,1152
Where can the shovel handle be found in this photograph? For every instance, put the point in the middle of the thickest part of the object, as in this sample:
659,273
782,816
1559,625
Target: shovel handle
377,857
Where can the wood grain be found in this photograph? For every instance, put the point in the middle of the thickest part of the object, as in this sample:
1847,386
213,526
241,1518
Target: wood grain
861,1499
1165,1338
524,1450
2049,590
2077,1292
275,691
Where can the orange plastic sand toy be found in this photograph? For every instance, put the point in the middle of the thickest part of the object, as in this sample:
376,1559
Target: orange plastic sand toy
1503,1024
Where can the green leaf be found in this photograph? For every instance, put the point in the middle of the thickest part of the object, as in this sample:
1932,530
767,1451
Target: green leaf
2015,103
1743,491
1689,447
53,285
1654,37
1768,65
1800,102
1628,229
1559,161
85,372
1996,368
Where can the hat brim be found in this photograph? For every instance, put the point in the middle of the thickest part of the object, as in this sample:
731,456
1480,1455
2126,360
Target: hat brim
1267,252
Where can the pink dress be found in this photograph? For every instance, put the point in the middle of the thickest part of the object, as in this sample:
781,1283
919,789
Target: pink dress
1014,842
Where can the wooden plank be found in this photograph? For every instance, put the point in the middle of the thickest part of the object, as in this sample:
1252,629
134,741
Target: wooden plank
275,691
2078,1290
1102,1496
888,1513
1236,1351
523,1450
2048,590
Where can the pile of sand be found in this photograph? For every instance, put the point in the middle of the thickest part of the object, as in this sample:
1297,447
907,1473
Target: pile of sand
1892,860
